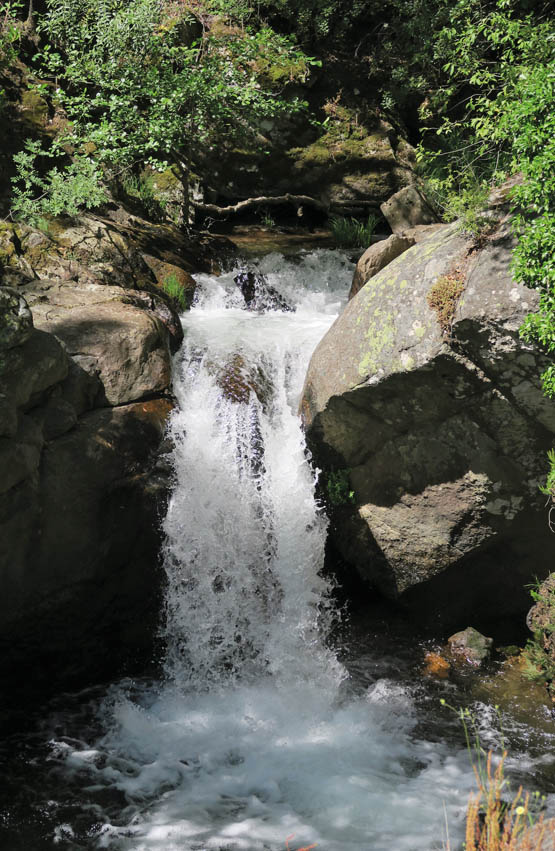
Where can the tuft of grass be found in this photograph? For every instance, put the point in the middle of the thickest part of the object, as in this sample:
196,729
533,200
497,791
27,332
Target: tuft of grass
175,290
352,233
497,819
494,824
443,298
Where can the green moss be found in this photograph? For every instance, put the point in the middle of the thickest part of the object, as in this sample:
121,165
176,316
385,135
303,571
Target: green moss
166,181
420,331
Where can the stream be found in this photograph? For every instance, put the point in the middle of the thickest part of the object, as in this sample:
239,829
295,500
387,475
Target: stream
278,719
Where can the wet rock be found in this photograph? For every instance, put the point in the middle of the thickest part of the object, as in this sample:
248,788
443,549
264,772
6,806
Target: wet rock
55,417
238,380
258,293
16,321
443,435
377,257
406,209
79,546
470,645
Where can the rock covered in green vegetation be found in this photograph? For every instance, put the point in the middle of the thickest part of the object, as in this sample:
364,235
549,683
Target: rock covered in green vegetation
443,430
351,166
540,650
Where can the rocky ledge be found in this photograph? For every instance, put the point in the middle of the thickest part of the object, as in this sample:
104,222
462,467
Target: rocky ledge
86,336
424,409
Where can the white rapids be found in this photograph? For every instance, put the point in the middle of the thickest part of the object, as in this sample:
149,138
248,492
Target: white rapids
255,738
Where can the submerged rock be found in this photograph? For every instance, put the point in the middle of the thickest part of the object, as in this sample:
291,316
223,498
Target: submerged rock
442,428
238,380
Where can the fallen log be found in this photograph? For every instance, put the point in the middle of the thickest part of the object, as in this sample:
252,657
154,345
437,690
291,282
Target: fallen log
264,200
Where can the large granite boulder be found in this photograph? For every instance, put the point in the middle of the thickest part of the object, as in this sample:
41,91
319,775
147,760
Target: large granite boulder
424,397
84,396
107,331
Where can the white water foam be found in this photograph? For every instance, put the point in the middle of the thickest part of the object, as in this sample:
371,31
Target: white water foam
255,736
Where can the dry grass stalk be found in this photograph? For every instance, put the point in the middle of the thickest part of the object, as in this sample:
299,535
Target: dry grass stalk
492,824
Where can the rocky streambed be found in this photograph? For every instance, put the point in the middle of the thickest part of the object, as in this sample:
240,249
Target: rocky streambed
268,714
265,713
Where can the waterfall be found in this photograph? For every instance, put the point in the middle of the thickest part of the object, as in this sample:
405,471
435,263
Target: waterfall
256,733
245,537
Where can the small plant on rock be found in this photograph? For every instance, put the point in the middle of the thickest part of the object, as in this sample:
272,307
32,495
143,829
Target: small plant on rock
338,488
443,298
175,290
539,653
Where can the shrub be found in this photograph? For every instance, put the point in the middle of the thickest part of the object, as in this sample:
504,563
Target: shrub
539,653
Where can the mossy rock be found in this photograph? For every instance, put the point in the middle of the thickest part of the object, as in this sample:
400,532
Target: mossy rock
34,109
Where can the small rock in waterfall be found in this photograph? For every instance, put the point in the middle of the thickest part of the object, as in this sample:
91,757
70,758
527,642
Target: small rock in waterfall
258,293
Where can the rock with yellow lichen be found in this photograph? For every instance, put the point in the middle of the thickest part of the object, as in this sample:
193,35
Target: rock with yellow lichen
424,392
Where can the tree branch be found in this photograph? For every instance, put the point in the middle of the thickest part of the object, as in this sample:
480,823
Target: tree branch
276,201
263,200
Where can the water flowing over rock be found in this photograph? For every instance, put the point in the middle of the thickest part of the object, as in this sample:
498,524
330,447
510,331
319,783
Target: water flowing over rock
442,430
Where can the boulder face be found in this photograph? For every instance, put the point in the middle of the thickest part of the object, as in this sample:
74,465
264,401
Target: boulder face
407,208
85,356
377,257
441,428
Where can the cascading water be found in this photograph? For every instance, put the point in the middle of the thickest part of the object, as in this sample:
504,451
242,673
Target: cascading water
257,736
257,732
